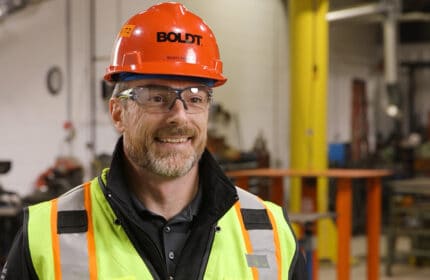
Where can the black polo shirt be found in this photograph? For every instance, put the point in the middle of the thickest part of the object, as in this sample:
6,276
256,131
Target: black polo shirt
169,236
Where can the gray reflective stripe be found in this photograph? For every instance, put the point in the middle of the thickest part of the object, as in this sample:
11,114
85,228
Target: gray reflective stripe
262,241
73,246
72,200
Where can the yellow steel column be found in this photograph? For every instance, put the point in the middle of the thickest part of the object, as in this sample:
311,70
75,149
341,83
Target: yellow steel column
308,39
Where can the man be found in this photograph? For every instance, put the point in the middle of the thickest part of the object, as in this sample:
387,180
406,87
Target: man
164,209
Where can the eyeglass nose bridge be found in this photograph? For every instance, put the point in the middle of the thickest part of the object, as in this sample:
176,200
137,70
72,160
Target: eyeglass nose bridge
178,96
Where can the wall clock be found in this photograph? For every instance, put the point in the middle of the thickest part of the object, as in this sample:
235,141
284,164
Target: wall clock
54,80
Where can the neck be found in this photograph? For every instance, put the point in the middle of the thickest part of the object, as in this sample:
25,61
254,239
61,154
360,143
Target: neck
164,196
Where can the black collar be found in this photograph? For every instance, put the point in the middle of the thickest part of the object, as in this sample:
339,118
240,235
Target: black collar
186,215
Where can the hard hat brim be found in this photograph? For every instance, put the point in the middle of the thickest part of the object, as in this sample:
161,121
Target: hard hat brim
169,68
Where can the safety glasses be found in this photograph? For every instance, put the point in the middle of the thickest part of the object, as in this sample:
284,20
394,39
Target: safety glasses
161,99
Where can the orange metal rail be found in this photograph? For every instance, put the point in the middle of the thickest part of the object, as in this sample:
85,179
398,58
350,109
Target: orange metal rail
344,179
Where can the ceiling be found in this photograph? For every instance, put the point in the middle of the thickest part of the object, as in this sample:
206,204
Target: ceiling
414,21
407,5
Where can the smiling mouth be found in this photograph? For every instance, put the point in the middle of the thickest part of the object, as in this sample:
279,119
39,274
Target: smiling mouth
173,140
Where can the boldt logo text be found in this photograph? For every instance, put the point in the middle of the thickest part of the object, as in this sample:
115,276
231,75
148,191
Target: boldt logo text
179,37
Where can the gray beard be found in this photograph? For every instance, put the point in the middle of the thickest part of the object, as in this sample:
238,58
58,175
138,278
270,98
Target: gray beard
167,165
171,165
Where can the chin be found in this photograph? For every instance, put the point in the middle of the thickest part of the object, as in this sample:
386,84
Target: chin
173,167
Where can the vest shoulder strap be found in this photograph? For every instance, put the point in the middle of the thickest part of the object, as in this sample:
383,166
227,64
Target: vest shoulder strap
263,254
73,228
72,215
253,211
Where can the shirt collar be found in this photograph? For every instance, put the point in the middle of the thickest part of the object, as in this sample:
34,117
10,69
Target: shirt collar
186,215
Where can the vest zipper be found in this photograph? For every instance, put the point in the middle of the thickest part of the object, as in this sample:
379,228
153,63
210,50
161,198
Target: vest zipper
214,230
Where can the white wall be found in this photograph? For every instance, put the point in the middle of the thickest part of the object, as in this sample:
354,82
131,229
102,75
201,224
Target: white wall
252,37
31,120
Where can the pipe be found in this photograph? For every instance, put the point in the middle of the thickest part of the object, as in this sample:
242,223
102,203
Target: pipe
308,31
69,100
93,103
364,10
390,46
390,10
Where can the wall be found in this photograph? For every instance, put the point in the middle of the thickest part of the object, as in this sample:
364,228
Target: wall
253,47
31,41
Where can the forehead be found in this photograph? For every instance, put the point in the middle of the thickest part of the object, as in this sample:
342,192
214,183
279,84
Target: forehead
162,82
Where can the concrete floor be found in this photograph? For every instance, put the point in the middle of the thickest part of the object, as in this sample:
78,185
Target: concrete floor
400,270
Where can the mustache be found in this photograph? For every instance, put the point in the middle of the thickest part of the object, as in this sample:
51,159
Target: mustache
176,131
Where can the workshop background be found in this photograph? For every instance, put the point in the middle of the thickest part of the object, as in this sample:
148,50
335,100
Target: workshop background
56,130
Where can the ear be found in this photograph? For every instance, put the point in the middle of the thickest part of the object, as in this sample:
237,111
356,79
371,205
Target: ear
116,110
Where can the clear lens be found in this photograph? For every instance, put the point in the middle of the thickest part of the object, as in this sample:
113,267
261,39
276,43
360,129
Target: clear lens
160,99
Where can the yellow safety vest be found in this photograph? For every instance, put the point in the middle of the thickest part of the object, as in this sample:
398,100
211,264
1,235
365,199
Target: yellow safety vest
91,246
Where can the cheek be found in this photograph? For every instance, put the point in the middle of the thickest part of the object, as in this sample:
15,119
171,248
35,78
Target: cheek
202,124
136,124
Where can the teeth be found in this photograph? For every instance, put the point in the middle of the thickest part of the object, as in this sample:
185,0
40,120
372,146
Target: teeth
174,140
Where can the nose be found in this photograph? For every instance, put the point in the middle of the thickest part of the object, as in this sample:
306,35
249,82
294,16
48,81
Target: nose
175,101
177,111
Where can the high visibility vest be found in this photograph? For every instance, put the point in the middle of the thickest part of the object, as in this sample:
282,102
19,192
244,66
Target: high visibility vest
75,237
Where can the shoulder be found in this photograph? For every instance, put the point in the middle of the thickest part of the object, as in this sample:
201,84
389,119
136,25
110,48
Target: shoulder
18,263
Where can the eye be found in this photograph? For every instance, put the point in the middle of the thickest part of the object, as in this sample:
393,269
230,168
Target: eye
196,99
156,99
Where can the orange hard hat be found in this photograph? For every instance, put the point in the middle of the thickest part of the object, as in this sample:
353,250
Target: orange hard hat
166,40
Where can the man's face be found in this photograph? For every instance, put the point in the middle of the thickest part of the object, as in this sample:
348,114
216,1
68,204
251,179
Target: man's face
167,144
